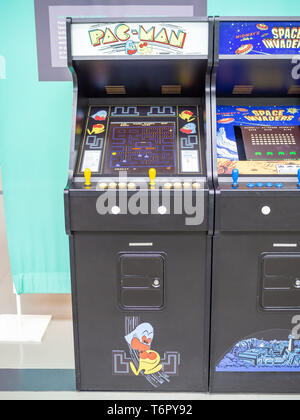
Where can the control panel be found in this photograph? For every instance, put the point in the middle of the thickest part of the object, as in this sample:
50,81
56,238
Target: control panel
239,183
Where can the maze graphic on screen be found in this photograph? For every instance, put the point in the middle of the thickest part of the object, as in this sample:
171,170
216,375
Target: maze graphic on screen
136,146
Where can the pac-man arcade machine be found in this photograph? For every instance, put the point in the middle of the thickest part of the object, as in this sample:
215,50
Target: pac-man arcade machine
256,247
139,203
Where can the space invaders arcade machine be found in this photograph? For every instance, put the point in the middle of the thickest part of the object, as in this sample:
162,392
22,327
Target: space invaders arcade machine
256,263
139,203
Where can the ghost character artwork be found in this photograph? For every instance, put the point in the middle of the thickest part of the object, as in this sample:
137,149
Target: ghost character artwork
130,47
100,115
189,128
140,340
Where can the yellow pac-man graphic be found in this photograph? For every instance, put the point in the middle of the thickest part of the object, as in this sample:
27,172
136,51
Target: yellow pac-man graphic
148,366
187,116
97,129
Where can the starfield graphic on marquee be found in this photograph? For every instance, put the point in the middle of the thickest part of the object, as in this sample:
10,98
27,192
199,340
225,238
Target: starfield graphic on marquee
259,38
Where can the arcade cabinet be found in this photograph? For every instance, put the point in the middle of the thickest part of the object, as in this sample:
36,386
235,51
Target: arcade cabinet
256,247
139,203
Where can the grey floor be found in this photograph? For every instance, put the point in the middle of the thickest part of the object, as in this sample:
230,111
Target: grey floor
56,350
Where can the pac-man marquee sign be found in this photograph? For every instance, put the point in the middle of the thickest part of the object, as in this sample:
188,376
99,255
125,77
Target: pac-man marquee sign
145,38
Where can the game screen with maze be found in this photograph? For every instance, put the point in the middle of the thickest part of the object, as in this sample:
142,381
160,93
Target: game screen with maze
139,145
137,138
258,140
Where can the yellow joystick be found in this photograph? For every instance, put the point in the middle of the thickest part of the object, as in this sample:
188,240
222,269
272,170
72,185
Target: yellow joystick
152,176
87,176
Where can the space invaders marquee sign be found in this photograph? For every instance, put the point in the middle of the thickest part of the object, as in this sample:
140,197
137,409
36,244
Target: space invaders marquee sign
259,38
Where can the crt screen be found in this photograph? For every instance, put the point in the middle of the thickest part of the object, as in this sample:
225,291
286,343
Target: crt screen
136,147
269,143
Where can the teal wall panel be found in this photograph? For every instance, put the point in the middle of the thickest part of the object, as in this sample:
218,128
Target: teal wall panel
35,121
253,8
